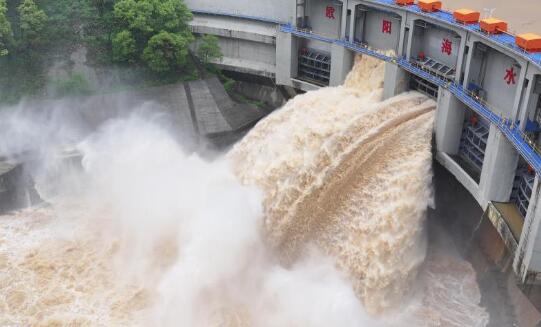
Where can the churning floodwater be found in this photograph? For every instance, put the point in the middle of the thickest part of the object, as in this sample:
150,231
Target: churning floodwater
316,218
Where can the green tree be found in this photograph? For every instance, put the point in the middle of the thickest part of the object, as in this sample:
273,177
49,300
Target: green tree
166,51
209,49
6,35
159,29
32,23
153,16
124,47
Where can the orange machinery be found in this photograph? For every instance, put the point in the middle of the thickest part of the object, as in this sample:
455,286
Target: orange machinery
493,25
429,5
404,2
466,16
529,42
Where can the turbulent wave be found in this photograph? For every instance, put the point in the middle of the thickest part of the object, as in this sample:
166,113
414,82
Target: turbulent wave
314,218
350,173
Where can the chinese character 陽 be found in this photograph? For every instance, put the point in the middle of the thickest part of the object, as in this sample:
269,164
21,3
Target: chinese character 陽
386,27
329,12
510,76
446,46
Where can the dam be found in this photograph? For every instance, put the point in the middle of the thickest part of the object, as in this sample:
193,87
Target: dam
486,84
329,211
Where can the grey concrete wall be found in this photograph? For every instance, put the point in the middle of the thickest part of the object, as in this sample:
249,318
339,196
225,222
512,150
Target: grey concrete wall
449,122
396,81
430,39
498,93
234,28
373,30
286,58
283,10
317,20
499,168
528,255
248,50
344,63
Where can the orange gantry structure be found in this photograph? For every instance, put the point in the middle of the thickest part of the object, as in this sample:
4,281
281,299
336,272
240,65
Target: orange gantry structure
466,16
492,25
404,2
429,5
529,42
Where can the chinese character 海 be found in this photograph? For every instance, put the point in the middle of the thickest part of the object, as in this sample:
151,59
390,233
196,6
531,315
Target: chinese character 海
386,27
446,46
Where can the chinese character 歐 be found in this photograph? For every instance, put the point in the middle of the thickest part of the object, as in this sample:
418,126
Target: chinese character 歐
329,12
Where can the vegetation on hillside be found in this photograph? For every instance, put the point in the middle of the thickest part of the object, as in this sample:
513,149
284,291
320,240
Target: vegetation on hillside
147,40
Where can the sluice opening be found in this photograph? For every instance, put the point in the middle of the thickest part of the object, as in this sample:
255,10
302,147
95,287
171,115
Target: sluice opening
473,144
422,85
314,66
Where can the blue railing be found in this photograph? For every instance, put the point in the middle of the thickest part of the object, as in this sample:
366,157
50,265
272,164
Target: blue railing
505,40
508,128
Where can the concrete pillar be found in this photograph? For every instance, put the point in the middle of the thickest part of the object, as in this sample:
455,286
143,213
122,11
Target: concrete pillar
341,63
520,91
449,122
468,64
530,232
499,168
410,40
352,24
343,19
526,103
460,60
395,82
286,58
402,35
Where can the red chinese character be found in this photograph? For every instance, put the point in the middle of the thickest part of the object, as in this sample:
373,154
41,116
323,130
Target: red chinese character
386,27
329,12
510,76
446,46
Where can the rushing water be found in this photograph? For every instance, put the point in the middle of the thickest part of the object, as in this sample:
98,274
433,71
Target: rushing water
316,218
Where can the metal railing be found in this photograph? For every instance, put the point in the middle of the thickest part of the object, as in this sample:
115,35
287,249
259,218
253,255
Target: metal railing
522,143
446,16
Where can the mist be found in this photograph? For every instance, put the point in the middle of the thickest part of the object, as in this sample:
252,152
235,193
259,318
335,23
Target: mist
141,230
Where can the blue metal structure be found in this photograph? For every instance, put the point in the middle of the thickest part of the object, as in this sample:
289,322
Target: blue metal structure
505,40
508,128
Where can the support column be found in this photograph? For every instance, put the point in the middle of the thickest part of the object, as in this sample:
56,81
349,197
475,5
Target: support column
520,90
410,40
468,65
526,106
343,20
352,24
402,36
529,243
449,122
460,60
499,168
286,58
341,63
395,82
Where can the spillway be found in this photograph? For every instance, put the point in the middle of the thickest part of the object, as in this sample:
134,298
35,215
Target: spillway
325,228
